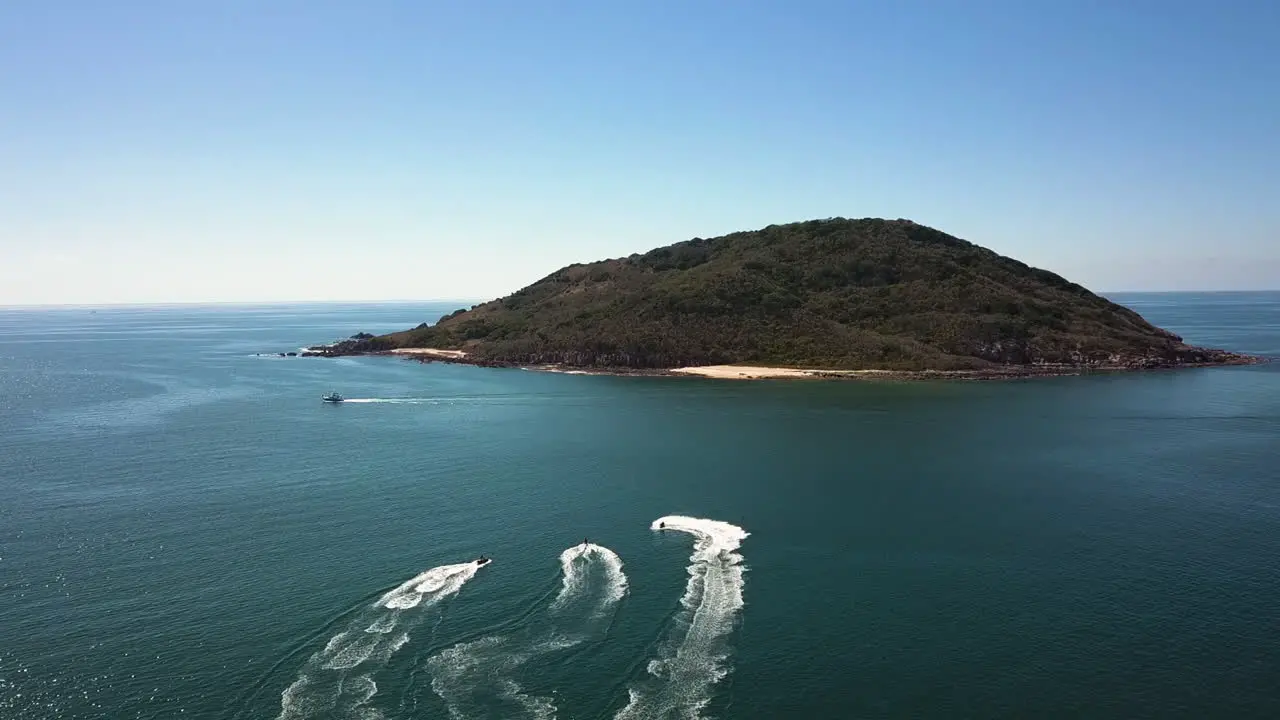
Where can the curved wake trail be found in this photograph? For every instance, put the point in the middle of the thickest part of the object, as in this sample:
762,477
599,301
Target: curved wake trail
694,657
575,570
337,680
478,678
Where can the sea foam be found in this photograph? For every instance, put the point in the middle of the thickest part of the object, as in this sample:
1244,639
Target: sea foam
575,567
478,678
695,655
325,683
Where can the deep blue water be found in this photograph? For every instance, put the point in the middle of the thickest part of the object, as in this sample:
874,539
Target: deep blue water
186,531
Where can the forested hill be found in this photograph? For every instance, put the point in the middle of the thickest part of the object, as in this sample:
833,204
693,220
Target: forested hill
836,293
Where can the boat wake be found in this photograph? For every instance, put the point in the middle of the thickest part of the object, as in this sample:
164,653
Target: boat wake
338,680
479,678
694,656
393,401
587,563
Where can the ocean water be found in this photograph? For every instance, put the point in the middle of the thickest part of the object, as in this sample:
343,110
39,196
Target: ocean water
186,531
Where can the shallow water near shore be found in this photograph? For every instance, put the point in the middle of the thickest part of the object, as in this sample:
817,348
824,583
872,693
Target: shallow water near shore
187,531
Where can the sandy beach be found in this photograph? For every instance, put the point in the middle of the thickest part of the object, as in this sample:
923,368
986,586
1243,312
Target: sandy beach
431,352
754,372
764,372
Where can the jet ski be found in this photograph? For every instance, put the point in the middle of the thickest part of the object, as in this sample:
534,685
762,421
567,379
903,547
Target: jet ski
482,561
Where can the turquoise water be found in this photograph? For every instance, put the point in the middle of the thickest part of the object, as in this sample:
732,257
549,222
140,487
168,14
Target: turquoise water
186,531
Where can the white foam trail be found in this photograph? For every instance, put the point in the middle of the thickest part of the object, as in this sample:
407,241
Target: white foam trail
392,401
575,567
477,679
473,677
694,658
367,643
436,583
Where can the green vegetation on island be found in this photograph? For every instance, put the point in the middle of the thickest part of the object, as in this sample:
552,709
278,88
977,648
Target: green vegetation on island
833,294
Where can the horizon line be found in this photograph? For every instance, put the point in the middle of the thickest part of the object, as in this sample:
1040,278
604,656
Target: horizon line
242,303
463,301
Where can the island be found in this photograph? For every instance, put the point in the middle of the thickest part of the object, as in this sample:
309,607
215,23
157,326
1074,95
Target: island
824,298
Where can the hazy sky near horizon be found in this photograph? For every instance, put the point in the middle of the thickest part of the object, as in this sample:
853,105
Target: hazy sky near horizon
242,150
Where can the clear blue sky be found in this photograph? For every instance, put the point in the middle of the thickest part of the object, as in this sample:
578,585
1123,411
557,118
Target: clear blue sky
287,149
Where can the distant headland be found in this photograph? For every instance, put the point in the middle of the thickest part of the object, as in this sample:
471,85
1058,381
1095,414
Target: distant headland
823,298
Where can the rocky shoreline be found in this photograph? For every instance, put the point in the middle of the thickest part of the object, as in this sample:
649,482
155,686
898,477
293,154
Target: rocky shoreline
1202,358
